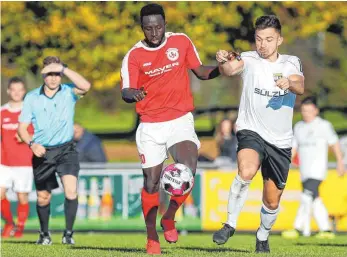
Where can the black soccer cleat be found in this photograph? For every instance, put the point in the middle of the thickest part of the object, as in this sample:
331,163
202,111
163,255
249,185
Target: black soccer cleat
221,236
262,246
67,238
44,239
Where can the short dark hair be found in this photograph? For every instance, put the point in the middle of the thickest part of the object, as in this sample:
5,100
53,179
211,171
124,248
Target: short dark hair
310,100
15,80
152,9
268,21
51,59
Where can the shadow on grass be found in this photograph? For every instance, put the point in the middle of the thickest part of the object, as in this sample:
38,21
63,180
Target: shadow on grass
211,250
320,244
18,242
116,249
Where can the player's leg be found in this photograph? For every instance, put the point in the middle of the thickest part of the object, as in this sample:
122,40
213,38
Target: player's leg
150,141
320,213
249,156
185,152
5,183
23,182
275,169
43,209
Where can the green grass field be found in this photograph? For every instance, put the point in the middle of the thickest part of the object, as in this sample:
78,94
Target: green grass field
89,245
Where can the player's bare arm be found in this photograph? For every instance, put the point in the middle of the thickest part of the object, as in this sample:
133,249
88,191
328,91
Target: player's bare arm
340,167
206,72
23,133
82,85
295,83
230,64
132,95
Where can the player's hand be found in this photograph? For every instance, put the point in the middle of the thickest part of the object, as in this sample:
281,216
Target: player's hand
19,140
53,67
222,56
138,94
340,168
283,83
38,150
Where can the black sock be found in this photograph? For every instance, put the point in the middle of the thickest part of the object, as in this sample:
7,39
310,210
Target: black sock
70,209
43,212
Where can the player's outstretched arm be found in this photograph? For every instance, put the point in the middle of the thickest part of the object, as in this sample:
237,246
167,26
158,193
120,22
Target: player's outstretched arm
132,95
230,64
206,72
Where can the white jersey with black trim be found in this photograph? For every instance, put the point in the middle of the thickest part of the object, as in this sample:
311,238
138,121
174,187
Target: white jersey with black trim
312,141
264,107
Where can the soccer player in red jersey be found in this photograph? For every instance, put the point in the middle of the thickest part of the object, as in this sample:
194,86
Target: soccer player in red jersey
155,76
15,169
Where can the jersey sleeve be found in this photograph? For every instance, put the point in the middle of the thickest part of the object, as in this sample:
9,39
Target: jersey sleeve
331,134
192,56
72,91
26,114
130,71
294,66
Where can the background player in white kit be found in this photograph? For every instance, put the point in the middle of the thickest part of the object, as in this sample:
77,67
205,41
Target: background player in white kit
264,125
312,138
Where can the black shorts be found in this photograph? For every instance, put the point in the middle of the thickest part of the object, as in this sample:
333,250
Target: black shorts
311,187
274,161
62,159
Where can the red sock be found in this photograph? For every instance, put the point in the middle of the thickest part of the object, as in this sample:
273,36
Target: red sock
150,203
6,211
22,212
175,203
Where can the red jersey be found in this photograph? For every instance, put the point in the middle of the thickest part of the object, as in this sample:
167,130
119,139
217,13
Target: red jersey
163,72
13,153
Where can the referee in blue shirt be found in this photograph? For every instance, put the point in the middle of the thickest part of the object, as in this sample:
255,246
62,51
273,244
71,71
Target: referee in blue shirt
50,108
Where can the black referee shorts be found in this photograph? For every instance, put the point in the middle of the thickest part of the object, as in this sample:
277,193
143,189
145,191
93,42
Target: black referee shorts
62,159
274,161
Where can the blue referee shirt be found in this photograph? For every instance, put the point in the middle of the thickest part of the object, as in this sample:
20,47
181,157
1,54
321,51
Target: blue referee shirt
52,118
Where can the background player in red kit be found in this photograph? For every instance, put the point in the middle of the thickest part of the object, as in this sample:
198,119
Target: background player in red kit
155,75
15,169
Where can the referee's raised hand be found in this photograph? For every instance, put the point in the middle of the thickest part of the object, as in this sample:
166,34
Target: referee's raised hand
53,67
38,150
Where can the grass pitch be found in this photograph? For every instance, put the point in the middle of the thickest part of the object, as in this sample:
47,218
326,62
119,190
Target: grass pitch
130,244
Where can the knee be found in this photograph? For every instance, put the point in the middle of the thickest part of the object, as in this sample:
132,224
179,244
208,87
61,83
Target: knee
247,171
151,187
43,199
271,205
71,193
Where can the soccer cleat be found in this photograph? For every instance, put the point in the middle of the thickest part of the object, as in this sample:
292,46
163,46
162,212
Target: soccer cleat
291,234
262,246
170,232
221,236
325,235
8,230
44,239
19,231
67,238
153,247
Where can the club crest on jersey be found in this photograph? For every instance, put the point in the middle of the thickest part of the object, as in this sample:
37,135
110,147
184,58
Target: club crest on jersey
172,54
277,76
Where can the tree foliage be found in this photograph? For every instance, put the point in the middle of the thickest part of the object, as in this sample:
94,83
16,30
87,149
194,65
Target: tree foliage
93,37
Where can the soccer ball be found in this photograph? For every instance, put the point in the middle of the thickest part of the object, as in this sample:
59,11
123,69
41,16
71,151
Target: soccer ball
177,179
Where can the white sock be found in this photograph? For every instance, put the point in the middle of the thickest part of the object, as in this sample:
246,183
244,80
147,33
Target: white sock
237,197
267,219
307,200
321,215
299,219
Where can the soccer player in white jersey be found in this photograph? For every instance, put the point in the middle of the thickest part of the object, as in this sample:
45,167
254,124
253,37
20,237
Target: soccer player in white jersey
271,82
312,138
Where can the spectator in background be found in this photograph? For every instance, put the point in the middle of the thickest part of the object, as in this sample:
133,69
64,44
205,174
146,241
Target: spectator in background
226,142
15,170
89,146
312,137
343,143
